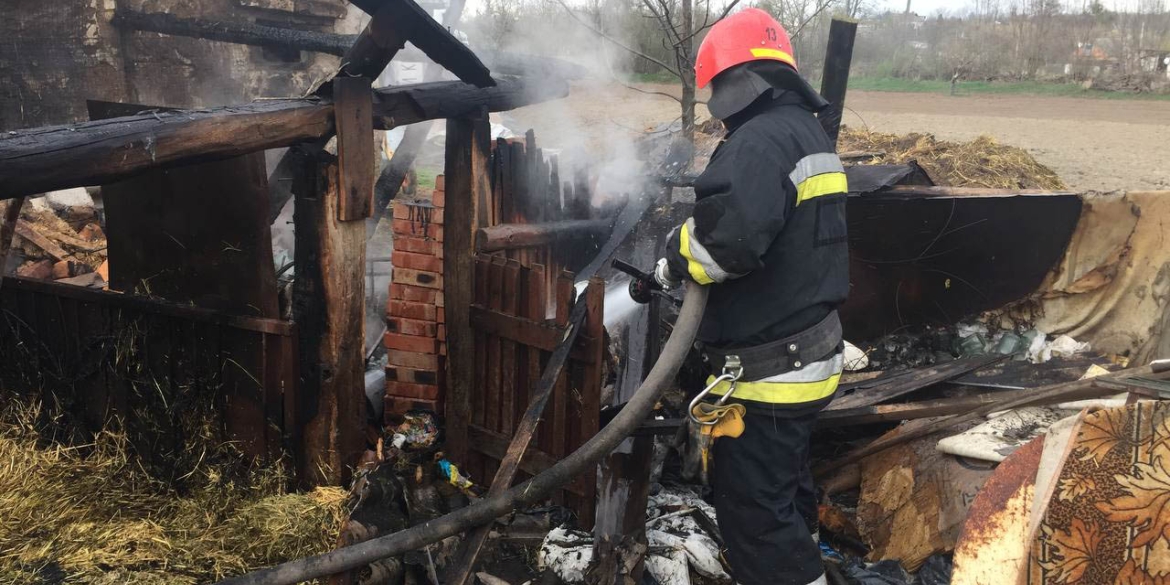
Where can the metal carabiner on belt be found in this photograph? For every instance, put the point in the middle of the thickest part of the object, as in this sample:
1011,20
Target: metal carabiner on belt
732,372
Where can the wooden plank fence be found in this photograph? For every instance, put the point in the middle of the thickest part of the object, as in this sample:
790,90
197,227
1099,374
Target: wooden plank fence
174,376
513,340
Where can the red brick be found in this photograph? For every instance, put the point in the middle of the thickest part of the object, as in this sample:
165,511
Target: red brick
404,326
408,390
441,315
439,198
40,270
418,361
417,229
443,348
395,407
440,183
411,375
441,334
418,246
415,294
418,278
410,343
416,261
409,310
418,213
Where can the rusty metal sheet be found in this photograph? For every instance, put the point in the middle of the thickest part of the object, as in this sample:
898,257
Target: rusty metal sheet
993,546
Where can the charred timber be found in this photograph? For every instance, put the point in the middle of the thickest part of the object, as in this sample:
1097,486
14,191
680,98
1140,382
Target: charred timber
93,153
396,21
245,33
511,236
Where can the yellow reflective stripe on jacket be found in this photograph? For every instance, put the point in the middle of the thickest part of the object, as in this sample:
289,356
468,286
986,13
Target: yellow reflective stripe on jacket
779,392
826,184
694,267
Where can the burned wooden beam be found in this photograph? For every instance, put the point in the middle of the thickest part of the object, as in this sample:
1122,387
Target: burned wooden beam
92,153
835,79
58,157
510,236
353,116
245,33
880,413
398,21
892,386
328,304
1053,393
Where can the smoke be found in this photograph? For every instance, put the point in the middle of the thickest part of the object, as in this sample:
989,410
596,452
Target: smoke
580,130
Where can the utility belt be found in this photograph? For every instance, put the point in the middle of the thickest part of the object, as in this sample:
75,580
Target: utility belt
709,421
780,356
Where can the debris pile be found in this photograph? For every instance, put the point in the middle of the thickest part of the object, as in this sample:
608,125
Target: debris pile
683,543
59,237
89,513
982,162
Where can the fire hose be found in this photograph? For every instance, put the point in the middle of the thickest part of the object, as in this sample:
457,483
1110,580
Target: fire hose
622,426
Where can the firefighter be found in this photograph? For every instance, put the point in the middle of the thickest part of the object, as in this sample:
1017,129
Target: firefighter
768,234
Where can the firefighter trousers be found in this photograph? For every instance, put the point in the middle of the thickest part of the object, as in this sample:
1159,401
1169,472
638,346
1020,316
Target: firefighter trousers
765,500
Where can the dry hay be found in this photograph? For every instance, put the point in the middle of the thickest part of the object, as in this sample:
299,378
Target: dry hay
91,514
982,162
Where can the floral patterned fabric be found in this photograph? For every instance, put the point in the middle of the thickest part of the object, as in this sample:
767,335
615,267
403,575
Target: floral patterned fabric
1108,521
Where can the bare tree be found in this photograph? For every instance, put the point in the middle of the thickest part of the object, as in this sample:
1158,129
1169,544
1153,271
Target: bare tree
684,22
854,8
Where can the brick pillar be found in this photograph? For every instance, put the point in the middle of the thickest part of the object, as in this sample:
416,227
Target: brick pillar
415,333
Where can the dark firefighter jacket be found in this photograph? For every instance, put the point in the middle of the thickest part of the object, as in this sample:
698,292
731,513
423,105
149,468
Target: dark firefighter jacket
768,226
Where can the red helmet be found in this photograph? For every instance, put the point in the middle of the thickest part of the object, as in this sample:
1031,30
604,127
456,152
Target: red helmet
748,35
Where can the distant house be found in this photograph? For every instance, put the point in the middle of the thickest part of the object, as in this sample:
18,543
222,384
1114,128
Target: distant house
1099,49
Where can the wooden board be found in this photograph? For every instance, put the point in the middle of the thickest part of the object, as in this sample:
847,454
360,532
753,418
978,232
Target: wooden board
891,386
914,499
467,191
353,116
194,234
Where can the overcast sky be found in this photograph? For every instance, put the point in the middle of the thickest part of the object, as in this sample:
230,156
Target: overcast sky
924,7
929,7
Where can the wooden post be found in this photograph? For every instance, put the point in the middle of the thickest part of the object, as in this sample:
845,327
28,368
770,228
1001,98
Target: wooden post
468,190
8,230
619,533
838,56
353,116
328,306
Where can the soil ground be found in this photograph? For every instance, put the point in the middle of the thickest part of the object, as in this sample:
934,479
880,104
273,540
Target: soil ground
1092,144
